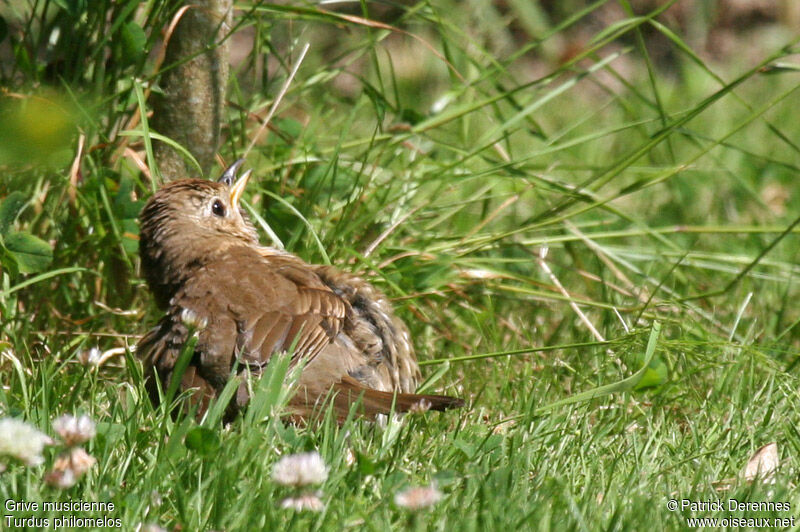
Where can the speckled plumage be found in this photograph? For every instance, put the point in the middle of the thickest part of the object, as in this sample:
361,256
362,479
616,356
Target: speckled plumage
256,301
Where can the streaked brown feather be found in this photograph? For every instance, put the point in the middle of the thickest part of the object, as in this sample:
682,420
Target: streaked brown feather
258,301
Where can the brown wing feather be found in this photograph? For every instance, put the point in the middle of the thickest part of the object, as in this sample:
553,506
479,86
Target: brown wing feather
353,345
299,310
269,307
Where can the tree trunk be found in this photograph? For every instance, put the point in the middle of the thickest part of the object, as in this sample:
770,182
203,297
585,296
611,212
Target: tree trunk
191,107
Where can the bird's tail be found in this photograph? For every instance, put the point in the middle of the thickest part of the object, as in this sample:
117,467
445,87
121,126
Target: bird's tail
371,402
381,402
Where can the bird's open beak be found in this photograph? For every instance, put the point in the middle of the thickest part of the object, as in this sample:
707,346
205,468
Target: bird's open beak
236,183
238,188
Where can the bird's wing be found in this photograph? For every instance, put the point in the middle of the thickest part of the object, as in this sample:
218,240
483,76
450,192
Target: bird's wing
255,306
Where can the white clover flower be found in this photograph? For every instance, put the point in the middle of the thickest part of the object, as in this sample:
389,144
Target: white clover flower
418,497
74,430
70,466
61,479
22,441
80,461
306,502
300,470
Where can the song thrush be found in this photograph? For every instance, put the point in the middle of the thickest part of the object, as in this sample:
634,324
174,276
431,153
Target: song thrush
201,255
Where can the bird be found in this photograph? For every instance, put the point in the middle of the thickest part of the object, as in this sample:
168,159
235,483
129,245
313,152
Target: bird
205,267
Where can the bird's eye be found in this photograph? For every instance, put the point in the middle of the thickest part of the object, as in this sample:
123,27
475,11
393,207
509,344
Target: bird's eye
218,208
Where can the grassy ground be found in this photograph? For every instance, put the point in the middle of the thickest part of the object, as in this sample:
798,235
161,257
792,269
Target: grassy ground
535,190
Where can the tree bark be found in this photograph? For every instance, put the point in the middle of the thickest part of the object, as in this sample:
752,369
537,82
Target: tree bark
191,107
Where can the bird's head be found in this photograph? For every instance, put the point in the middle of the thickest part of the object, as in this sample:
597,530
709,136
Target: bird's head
188,221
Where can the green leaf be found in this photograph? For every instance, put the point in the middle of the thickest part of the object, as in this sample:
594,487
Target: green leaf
124,206
366,466
8,263
129,231
655,375
134,41
126,210
10,208
466,447
31,253
109,433
175,449
203,441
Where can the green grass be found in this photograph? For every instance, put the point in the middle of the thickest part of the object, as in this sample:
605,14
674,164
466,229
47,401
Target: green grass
438,153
